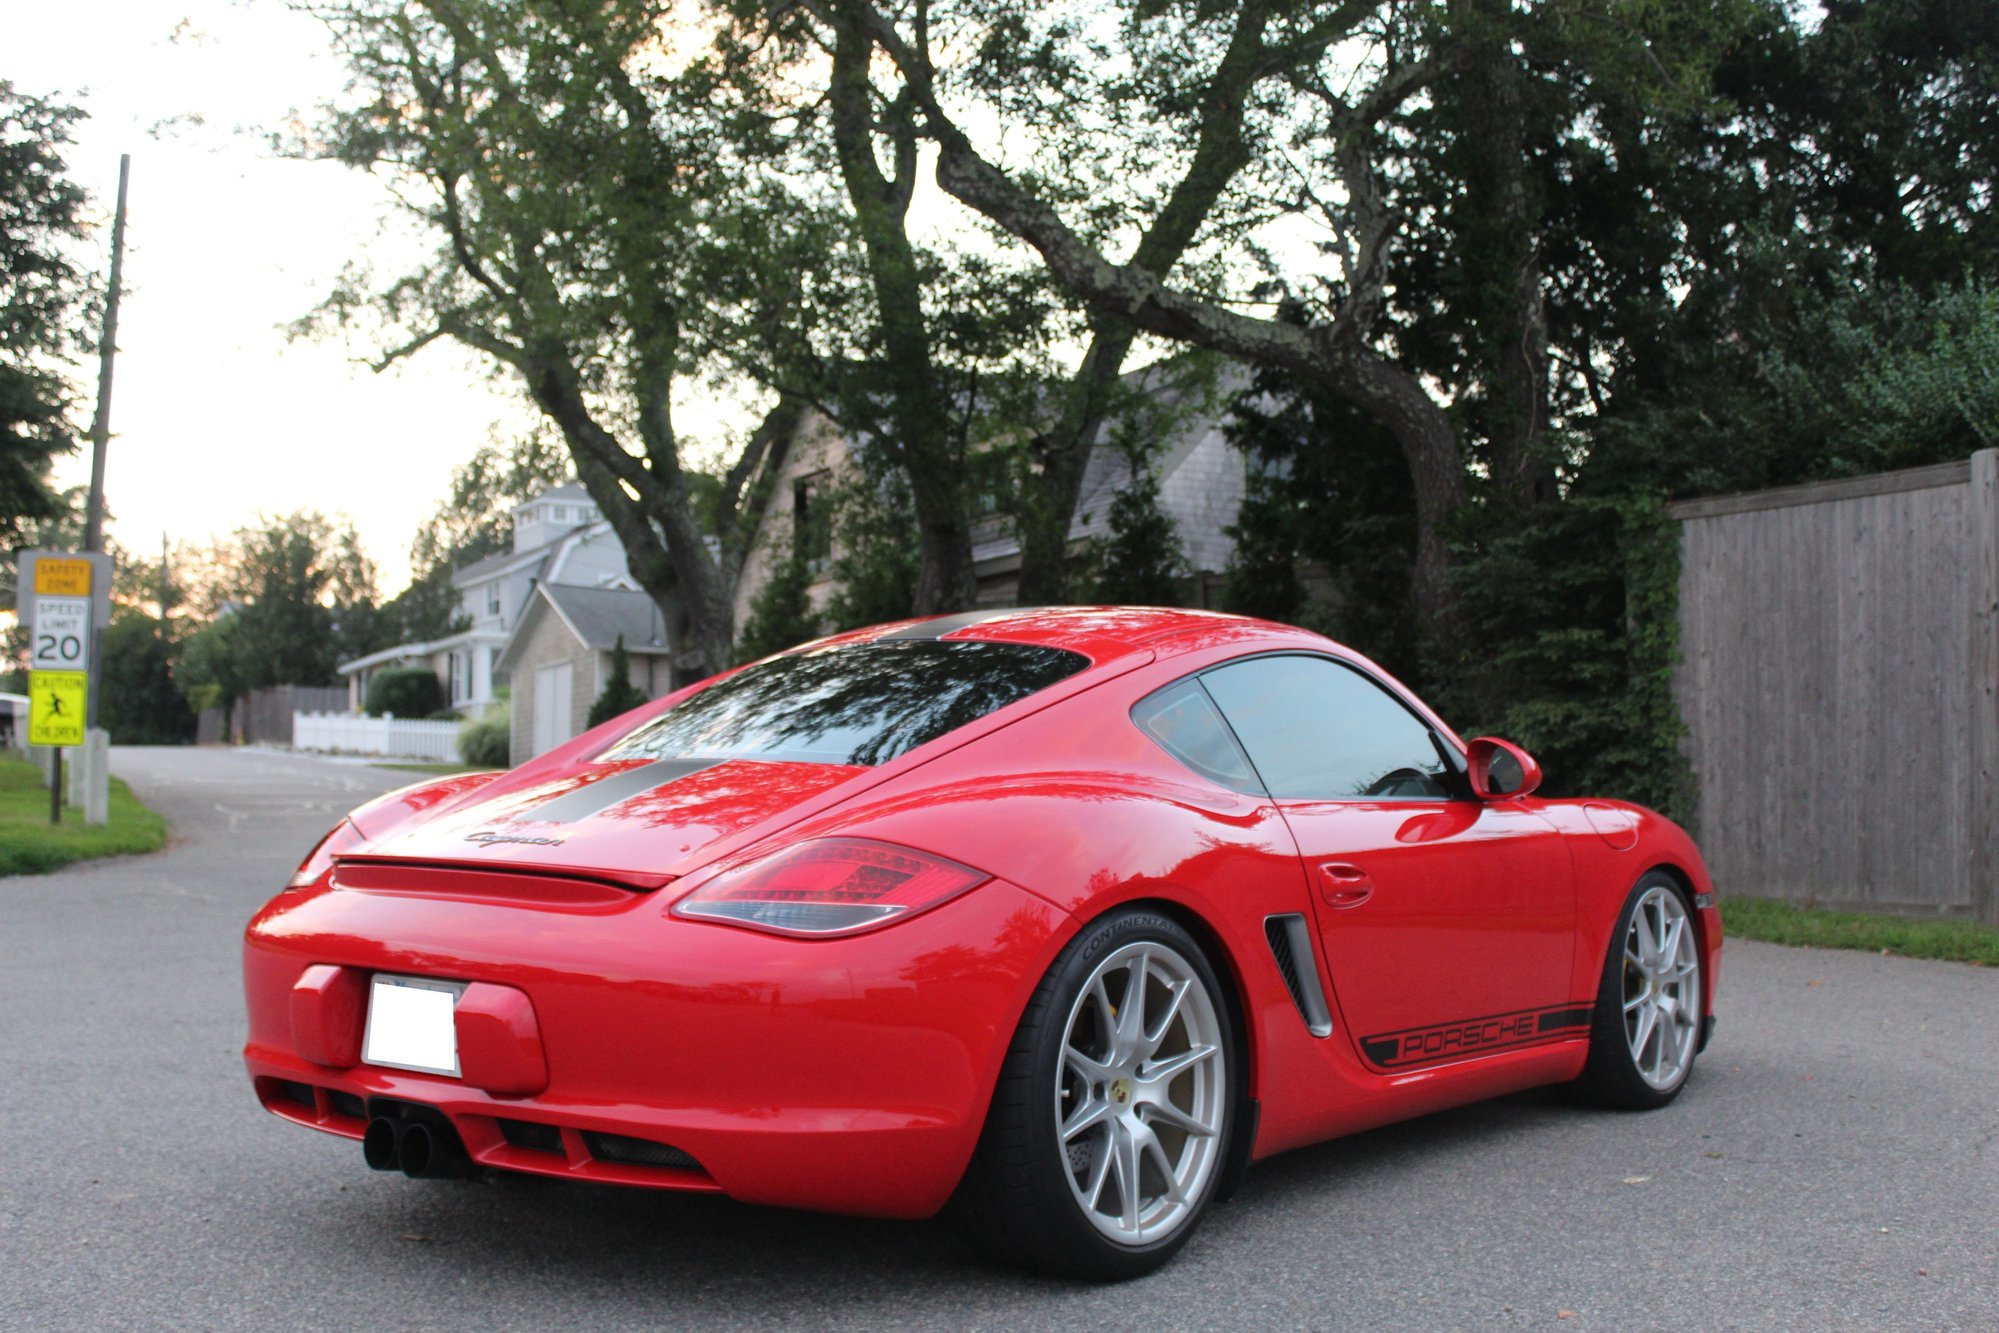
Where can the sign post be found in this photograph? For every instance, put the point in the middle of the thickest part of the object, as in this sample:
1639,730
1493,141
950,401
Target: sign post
64,601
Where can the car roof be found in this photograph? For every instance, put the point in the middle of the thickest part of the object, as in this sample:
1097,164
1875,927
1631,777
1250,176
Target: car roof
1101,633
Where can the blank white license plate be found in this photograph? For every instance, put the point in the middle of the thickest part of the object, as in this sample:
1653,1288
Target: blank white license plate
410,1024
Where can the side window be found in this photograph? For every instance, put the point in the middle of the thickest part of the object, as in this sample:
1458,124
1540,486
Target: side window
1317,730
1183,720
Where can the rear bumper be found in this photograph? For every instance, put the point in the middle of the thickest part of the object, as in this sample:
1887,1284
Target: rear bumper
841,1075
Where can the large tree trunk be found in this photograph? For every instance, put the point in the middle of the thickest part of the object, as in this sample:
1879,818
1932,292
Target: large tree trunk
919,412
1498,235
664,546
1219,154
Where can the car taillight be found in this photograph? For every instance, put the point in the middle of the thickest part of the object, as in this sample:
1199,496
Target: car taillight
343,837
836,886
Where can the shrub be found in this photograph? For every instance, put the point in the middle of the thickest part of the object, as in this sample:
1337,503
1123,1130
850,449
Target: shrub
620,695
487,740
405,692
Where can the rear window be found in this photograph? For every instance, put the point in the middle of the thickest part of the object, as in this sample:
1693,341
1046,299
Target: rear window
858,704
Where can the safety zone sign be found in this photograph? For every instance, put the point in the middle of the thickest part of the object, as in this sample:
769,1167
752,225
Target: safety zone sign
56,703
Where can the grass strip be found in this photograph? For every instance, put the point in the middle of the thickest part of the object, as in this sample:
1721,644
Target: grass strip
29,845
442,769
1818,928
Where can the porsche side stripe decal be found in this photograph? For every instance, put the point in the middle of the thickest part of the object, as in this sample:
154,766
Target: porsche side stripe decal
606,792
1394,1050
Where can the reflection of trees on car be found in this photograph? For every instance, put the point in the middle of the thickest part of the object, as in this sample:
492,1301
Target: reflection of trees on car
862,704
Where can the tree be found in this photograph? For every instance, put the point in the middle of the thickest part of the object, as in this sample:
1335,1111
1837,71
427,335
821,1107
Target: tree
1341,131
619,694
139,702
781,614
404,692
213,671
298,593
474,521
574,182
966,347
43,299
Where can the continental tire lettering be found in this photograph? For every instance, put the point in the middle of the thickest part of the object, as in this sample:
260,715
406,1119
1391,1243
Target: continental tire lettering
1472,1036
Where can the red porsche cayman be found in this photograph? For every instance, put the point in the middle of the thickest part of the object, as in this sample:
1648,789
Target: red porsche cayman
1069,913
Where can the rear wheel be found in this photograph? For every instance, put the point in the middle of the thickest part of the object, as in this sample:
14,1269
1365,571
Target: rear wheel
1646,1029
1110,1123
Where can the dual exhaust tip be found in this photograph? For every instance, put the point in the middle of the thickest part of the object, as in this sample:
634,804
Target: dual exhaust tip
420,1149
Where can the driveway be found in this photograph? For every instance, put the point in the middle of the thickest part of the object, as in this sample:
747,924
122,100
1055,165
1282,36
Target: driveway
1832,1163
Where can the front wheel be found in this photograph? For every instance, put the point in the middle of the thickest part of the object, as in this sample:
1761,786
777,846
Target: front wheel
1646,1028
1110,1123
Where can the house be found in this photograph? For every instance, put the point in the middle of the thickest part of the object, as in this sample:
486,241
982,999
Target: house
559,658
560,537
1202,480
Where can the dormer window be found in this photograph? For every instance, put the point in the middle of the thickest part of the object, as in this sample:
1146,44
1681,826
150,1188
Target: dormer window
493,599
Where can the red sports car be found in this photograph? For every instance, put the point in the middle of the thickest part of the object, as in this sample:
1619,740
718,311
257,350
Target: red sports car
1069,914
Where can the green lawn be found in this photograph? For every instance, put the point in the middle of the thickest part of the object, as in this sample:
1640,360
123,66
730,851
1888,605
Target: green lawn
436,768
1781,923
30,846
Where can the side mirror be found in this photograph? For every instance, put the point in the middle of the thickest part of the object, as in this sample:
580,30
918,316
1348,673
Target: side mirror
1500,769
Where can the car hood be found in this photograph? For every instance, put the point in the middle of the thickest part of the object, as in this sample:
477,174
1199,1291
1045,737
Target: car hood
639,823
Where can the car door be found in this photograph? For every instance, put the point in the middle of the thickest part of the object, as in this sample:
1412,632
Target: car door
1448,922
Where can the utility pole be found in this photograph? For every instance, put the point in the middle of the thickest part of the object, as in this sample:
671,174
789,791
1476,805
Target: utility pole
100,425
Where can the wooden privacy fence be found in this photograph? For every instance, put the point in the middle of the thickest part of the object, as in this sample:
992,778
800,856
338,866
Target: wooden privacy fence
404,738
1839,680
265,716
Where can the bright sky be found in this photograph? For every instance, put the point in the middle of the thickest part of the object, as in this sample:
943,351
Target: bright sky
216,416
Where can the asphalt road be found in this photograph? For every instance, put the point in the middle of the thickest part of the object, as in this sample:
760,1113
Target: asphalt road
1831,1165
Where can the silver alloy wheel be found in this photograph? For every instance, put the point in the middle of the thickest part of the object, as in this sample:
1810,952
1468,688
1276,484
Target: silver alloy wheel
1141,1094
1662,988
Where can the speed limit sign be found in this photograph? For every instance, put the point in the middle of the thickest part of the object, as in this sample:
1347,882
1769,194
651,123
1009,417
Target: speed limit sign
60,640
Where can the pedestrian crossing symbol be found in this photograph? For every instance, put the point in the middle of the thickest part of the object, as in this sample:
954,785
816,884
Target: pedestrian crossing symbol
56,706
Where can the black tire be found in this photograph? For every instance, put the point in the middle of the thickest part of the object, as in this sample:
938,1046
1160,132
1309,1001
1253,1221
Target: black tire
1616,1075
1021,1198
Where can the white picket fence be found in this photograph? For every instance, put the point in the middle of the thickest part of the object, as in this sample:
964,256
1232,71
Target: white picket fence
403,738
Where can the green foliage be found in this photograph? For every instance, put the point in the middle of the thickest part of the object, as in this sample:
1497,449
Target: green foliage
1817,928
138,701
29,845
1863,379
1325,535
781,614
306,594
875,560
486,741
1138,561
619,694
43,299
1571,633
404,692
212,670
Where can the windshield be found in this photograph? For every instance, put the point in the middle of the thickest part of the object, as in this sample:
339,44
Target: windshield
857,704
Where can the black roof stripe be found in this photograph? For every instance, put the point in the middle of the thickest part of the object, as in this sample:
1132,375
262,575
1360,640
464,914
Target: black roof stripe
606,792
942,625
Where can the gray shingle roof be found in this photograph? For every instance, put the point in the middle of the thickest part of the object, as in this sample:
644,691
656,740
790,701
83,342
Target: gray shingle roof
600,615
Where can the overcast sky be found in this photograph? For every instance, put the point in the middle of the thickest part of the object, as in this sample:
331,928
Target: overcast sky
216,415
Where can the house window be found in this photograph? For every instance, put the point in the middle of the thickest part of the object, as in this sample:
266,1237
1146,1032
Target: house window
493,599
990,481
812,520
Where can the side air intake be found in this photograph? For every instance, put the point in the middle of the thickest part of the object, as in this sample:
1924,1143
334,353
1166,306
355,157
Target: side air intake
1291,946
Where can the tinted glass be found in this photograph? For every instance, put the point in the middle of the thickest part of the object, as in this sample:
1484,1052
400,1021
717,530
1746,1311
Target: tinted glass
1319,731
859,704
1182,718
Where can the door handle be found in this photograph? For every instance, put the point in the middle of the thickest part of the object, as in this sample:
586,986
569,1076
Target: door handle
1345,885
